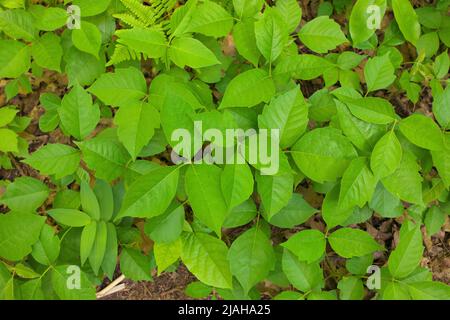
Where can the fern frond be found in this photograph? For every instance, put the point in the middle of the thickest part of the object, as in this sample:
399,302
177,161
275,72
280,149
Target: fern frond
129,20
123,53
145,14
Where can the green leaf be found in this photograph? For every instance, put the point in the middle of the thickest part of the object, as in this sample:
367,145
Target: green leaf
55,159
247,8
307,245
88,38
46,249
210,19
192,53
150,194
87,240
78,115
206,257
422,131
47,52
136,126
275,192
25,194
323,154
8,141
105,155
151,42
396,291
407,174
251,258
17,24
63,275
70,217
48,18
99,247
104,193
441,160
333,213
121,87
135,265
89,8
302,66
379,73
110,259
204,192
357,185
245,40
289,113
291,13
386,155
303,276
296,212
236,181
7,115
198,290
89,201
429,290
407,255
240,215
15,59
349,243
322,34
271,35
434,220
167,254
351,288
18,233
440,111
361,18
407,20
248,89
166,228
372,110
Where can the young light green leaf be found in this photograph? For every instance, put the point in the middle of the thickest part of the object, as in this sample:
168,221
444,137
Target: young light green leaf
379,73
15,58
422,131
386,155
248,89
365,18
303,276
150,42
206,257
302,66
25,194
135,265
77,113
204,192
18,233
407,20
70,217
236,181
275,192
55,159
271,34
407,255
322,34
192,53
150,194
349,243
323,154
251,258
307,245
87,38
289,113
47,52
210,19
136,125
296,212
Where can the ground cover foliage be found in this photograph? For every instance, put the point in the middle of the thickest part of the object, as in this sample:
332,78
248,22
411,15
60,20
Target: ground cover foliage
358,90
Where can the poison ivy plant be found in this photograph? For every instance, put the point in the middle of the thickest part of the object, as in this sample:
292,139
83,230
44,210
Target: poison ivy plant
270,152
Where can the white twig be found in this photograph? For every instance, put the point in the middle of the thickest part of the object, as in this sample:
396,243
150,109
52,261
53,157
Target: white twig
112,287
